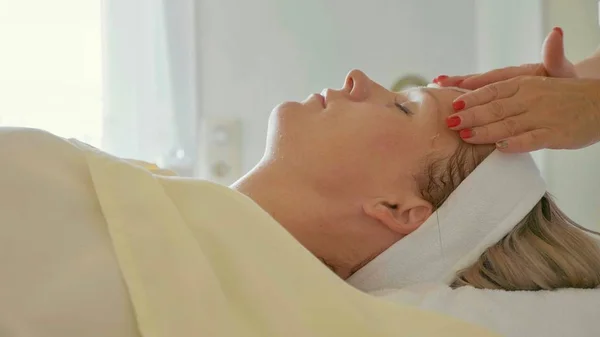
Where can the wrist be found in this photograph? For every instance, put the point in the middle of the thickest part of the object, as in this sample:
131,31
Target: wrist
588,68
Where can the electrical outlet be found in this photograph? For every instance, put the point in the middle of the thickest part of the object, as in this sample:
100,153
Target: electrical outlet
221,152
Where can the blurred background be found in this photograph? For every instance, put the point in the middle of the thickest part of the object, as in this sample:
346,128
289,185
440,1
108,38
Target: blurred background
189,84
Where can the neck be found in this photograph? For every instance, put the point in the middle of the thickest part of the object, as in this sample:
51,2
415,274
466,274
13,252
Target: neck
299,208
273,192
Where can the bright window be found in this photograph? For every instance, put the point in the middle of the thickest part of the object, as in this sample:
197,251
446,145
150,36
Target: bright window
51,66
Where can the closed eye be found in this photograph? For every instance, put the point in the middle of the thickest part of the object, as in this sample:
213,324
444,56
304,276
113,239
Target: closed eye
403,108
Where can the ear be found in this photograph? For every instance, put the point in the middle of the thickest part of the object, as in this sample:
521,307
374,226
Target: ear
403,218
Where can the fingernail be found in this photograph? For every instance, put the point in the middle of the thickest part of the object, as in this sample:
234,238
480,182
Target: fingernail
466,133
453,121
559,30
459,82
439,78
458,105
502,144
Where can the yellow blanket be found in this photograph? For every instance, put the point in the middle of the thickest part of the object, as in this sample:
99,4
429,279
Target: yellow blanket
202,260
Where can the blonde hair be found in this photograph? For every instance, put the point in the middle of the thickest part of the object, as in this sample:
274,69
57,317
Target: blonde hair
545,251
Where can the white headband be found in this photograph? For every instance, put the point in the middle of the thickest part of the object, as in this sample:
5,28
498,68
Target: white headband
485,207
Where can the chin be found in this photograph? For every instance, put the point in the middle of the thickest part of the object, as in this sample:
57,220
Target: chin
287,107
286,111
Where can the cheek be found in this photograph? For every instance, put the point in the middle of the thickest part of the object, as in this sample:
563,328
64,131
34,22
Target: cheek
389,142
383,150
400,150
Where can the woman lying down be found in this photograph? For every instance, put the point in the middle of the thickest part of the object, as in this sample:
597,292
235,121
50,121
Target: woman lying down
389,213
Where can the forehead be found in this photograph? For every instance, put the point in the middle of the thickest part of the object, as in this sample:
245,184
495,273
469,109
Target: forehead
432,90
433,100
434,106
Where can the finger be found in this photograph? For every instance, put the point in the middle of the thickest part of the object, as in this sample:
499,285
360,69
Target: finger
553,54
526,142
497,75
490,92
495,132
488,113
452,81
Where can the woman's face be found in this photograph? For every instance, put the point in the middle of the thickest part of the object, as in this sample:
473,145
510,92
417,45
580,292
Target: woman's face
362,136
359,150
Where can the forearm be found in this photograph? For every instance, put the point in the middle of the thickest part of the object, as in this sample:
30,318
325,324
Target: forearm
590,67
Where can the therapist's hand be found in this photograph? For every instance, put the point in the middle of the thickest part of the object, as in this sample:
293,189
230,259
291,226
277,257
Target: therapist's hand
529,113
554,64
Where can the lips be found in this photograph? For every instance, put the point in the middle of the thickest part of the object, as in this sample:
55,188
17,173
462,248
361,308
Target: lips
321,99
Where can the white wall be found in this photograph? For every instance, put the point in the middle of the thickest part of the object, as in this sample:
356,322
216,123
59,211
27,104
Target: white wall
509,32
256,54
149,81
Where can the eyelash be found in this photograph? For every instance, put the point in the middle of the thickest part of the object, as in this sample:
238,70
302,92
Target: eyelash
404,109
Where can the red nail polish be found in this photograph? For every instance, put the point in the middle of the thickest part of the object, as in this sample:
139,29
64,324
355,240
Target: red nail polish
466,133
439,78
459,82
453,121
458,105
559,30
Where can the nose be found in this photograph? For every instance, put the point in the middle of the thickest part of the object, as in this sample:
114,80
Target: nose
357,85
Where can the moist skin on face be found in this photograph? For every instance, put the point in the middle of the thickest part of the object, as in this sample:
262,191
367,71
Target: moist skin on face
434,138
